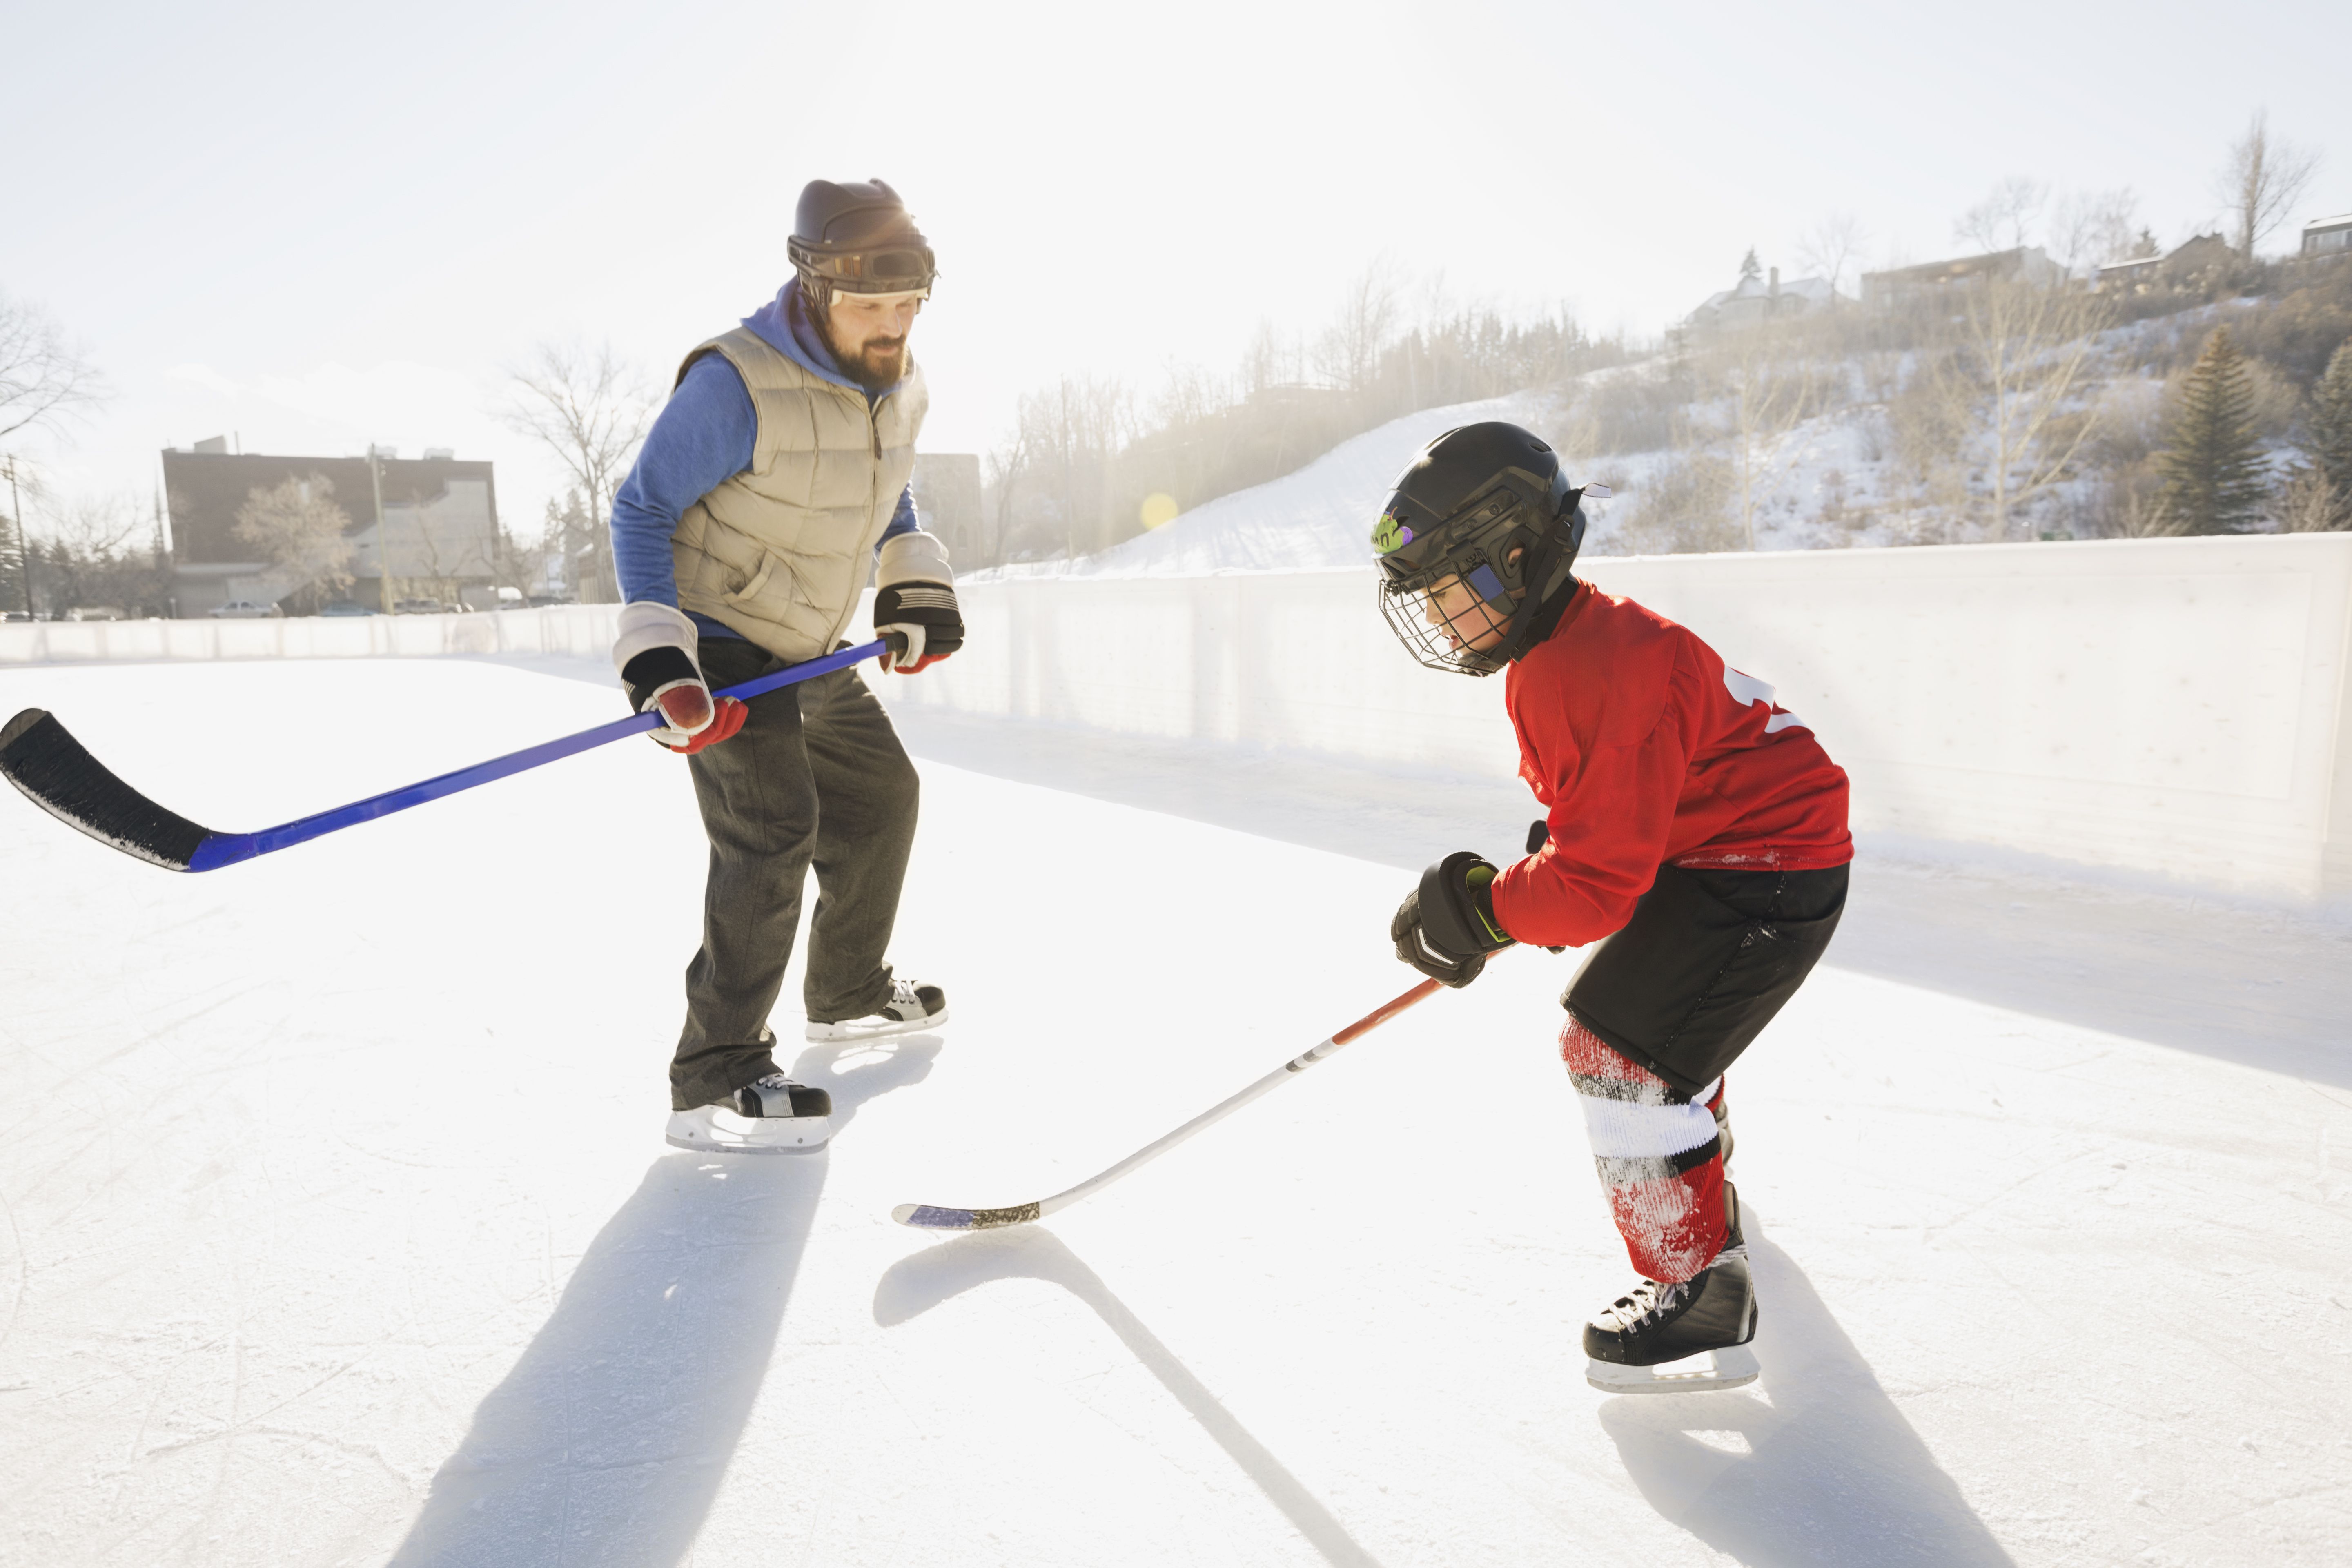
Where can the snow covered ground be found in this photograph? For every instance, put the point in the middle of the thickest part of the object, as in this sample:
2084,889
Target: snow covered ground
338,1227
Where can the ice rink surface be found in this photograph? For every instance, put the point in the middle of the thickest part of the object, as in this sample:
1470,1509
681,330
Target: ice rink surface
338,1227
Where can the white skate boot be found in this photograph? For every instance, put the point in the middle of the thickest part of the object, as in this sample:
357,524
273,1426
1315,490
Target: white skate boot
913,1006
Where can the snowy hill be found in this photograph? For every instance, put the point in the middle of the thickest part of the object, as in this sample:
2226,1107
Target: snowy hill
1319,517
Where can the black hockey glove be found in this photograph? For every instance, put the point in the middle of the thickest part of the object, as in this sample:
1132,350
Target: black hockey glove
915,603
1446,927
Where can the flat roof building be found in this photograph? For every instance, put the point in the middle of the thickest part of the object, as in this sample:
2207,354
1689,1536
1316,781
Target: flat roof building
437,536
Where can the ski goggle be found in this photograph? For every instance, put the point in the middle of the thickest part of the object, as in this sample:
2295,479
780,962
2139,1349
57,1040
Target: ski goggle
892,269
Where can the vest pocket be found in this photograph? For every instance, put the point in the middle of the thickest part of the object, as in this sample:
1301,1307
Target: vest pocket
751,590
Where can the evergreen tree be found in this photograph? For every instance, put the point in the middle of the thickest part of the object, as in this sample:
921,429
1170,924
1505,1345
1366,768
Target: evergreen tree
2331,421
1750,269
2210,463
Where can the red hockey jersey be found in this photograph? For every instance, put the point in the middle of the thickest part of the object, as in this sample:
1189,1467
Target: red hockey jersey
1646,749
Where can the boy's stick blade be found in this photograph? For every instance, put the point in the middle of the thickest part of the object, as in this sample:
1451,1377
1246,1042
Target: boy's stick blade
1734,1366
923,1216
58,773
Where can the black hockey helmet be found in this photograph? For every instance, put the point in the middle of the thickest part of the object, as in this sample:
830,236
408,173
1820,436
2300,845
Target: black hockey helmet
1489,507
856,238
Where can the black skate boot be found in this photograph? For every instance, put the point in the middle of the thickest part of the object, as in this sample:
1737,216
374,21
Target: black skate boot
1703,1325
771,1115
913,1006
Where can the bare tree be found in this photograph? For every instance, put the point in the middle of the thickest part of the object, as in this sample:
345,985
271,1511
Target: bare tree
2020,365
43,377
1771,391
2090,229
1347,353
2004,219
2307,503
591,410
1007,466
2264,177
91,558
298,529
1829,246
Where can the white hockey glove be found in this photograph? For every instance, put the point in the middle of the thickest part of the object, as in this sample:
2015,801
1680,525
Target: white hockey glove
915,604
656,655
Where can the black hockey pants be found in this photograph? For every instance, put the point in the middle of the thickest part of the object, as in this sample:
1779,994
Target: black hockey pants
1707,959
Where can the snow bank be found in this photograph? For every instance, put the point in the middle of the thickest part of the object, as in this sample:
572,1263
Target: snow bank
2173,706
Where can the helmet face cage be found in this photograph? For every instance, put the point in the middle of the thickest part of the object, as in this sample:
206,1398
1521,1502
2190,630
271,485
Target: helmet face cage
1464,585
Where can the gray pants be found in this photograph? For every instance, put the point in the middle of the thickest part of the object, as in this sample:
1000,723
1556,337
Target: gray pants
815,777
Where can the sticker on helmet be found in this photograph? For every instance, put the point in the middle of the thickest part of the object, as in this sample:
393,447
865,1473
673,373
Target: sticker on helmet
1389,535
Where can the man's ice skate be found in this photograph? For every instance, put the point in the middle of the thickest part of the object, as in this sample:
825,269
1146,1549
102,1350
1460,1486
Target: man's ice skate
912,1006
1682,1337
773,1116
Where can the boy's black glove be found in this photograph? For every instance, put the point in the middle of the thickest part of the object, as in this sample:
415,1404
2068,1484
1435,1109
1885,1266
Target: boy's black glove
1446,927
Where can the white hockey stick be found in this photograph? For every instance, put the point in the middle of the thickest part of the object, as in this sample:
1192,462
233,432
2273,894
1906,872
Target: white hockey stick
924,1216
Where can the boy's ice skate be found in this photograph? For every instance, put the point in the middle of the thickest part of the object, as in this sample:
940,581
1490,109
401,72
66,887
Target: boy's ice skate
1679,1339
912,1006
773,1116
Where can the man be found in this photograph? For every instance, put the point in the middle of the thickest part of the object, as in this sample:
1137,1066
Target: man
1696,826
775,475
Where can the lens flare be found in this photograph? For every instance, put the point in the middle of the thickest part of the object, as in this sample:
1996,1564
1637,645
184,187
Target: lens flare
1160,508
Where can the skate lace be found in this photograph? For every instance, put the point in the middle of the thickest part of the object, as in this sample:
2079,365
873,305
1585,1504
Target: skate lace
773,1080
1635,1308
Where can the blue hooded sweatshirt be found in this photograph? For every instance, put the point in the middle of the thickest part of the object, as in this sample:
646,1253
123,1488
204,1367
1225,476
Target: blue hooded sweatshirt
704,436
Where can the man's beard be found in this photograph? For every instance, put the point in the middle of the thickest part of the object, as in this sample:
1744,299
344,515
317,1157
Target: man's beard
863,368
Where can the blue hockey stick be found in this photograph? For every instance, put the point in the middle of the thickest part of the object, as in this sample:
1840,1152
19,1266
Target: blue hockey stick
40,757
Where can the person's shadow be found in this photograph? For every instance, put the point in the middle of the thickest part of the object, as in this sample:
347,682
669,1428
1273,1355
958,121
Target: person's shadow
1828,1472
915,1284
607,1441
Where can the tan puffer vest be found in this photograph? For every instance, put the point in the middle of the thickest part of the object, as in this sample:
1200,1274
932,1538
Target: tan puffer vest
781,551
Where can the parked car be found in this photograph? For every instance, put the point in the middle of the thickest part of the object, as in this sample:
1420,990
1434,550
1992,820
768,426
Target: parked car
245,610
10,615
422,607
95,612
344,607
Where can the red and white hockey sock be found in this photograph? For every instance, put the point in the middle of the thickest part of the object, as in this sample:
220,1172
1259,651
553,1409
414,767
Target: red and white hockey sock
1660,1157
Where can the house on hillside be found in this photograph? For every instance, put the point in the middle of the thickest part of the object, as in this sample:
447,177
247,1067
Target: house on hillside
1902,286
2200,260
430,523
1756,300
2327,236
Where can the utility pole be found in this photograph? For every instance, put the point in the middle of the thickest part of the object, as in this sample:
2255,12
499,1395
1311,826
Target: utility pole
24,540
383,544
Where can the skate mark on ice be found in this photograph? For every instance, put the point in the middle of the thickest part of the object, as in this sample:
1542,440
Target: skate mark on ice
915,1284
1831,1473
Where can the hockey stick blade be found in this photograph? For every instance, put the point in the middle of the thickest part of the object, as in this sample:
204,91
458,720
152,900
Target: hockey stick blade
59,775
931,1217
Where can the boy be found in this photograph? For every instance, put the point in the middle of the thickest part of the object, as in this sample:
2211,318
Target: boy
1688,821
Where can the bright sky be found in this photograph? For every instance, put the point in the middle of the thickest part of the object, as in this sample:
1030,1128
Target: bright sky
316,227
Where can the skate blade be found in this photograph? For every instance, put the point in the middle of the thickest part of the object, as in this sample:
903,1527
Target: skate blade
1734,1366
714,1131
835,1034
